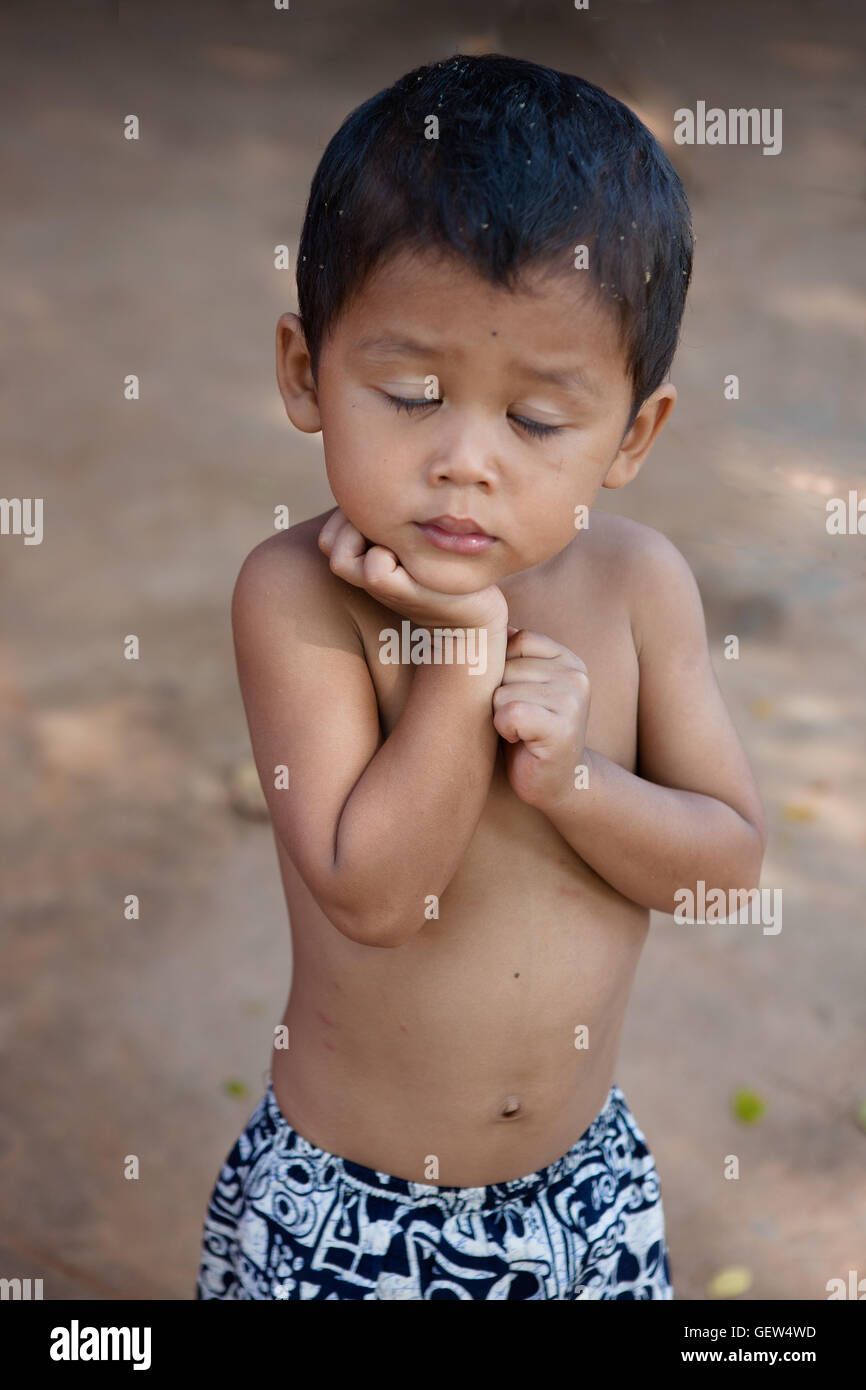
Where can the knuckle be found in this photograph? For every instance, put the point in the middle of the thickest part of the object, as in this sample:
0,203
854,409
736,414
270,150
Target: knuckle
371,568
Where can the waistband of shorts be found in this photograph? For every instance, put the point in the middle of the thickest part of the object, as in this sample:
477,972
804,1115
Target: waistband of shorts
456,1199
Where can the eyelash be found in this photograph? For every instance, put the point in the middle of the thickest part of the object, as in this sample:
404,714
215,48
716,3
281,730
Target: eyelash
531,426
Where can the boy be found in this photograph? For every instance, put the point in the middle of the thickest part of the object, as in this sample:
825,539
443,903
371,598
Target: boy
489,304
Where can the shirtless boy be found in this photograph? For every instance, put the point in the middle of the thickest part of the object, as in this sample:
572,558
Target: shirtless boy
470,852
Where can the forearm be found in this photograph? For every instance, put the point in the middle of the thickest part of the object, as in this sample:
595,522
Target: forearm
410,816
649,841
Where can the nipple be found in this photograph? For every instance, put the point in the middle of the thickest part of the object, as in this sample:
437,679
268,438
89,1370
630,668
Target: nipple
510,1106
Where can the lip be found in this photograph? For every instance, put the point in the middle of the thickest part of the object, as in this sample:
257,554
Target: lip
456,525
461,535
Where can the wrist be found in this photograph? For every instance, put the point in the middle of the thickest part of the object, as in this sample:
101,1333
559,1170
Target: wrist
474,667
571,796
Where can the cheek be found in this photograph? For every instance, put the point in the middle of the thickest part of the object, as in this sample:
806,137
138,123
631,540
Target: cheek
549,524
363,462
353,498
346,458
357,485
569,485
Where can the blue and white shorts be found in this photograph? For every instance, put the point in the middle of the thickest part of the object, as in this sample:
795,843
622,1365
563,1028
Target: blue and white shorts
287,1220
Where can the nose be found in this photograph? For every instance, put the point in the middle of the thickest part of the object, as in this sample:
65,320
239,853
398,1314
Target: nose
464,455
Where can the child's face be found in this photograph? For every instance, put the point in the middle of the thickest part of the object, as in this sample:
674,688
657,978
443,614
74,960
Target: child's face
470,456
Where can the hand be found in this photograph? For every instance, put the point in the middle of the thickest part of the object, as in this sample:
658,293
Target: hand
378,571
540,709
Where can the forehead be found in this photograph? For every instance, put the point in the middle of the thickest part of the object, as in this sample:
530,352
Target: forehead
438,302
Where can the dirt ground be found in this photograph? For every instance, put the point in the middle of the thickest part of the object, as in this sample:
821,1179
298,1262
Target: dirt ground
151,1037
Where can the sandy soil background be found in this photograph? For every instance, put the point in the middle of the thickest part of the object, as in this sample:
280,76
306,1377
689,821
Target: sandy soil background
152,1037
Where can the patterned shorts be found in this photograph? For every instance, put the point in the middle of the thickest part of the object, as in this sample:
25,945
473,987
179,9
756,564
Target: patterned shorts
287,1220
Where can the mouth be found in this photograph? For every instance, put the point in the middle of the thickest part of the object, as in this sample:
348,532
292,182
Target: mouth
462,535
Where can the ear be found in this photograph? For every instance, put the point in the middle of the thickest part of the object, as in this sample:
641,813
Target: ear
637,442
295,375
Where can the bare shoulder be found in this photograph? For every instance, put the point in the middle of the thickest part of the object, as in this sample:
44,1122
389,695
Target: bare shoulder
285,555
656,579
286,577
619,541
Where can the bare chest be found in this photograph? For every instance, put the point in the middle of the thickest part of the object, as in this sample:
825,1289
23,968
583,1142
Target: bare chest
596,629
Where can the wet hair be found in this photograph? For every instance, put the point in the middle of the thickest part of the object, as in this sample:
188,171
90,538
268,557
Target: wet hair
529,164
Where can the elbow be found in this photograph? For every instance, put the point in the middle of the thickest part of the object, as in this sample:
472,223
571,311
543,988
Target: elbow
369,928
754,854
743,871
744,858
734,878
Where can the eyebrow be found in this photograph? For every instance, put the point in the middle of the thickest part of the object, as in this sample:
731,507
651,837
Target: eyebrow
569,380
573,379
388,347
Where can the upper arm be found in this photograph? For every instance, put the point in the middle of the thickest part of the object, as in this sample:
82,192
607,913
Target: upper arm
686,738
309,701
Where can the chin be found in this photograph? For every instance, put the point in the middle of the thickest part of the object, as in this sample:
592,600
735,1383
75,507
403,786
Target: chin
456,575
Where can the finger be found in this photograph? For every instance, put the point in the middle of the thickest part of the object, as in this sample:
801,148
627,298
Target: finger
528,643
329,531
347,554
566,671
526,692
524,721
380,566
387,578
529,668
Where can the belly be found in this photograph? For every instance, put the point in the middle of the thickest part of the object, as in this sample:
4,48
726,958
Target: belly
489,1040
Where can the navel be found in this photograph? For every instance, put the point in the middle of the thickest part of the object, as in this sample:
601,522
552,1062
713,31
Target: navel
510,1106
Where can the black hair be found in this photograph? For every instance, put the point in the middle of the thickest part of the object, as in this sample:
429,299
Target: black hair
528,164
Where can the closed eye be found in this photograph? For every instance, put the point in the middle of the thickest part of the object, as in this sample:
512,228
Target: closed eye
531,426
401,403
